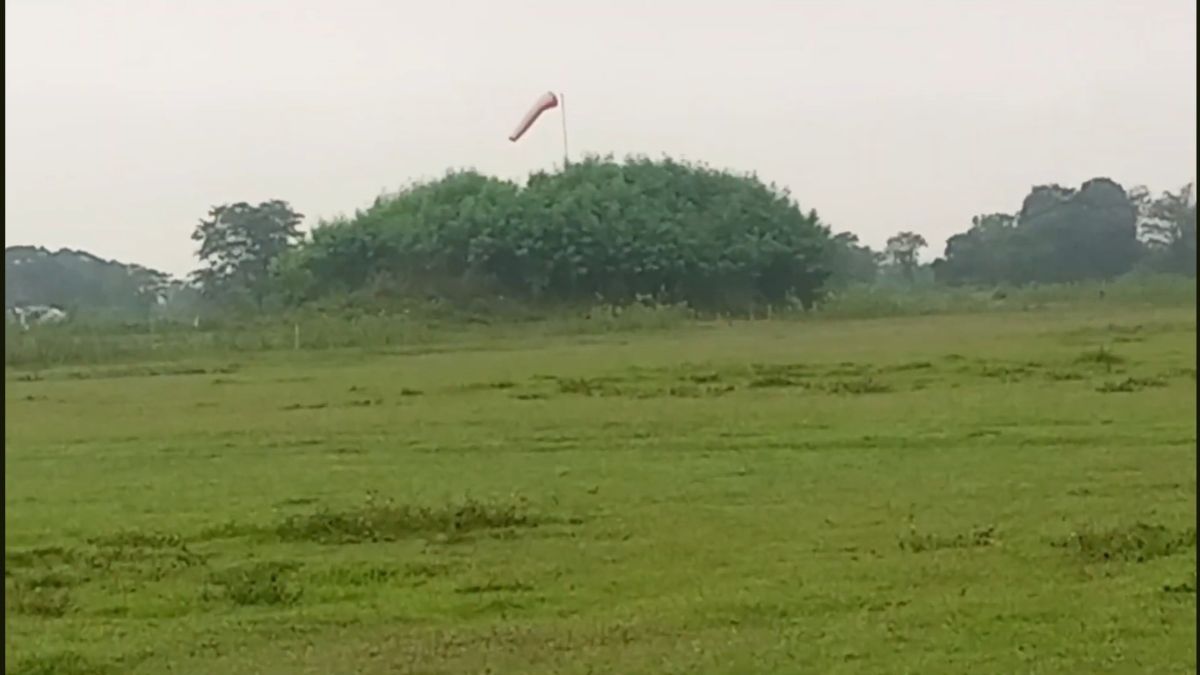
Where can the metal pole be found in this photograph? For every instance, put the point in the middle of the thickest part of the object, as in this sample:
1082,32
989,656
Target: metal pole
562,102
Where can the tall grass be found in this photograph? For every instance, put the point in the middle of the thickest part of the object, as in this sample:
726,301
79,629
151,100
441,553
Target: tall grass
1144,291
416,328
75,343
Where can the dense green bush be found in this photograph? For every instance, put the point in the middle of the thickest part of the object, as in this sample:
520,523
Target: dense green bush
601,231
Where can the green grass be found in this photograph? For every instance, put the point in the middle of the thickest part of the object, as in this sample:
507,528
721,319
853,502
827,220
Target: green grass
990,493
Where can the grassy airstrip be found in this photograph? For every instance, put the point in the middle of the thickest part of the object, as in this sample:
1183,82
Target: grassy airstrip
1001,492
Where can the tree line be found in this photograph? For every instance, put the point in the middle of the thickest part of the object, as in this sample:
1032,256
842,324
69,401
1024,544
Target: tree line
1099,231
81,281
616,232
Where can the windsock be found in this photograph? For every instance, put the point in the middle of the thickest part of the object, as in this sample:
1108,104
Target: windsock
546,102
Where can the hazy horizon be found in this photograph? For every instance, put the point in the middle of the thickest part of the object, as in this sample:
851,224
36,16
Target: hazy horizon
126,121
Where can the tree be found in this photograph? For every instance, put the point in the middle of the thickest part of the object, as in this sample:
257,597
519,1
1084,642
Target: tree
1168,229
850,262
1075,235
987,254
903,250
1060,235
238,245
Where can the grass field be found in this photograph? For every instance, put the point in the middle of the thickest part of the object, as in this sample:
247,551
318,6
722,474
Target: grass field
992,493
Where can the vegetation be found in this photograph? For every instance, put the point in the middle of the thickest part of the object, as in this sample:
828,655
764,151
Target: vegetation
982,493
81,283
239,243
903,251
851,263
422,327
1169,229
609,233
1066,235
600,231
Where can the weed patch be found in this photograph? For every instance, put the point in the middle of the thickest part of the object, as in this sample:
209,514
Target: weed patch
495,587
296,501
58,663
1065,376
1130,384
46,596
137,539
423,571
148,371
910,366
305,406
792,369
1133,543
919,542
233,530
1006,373
778,375
584,386
865,385
376,522
849,368
132,554
356,575
1187,586
44,555
255,584
152,562
694,391
485,386
1100,357
774,380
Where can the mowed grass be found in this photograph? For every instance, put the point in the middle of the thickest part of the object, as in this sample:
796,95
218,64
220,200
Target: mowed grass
988,494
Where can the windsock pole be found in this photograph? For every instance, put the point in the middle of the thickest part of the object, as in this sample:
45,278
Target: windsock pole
562,102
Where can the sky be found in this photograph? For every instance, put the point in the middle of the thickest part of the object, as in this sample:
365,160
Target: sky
126,120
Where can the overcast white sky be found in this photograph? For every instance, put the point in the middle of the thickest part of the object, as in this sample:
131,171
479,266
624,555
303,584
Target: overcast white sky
126,119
